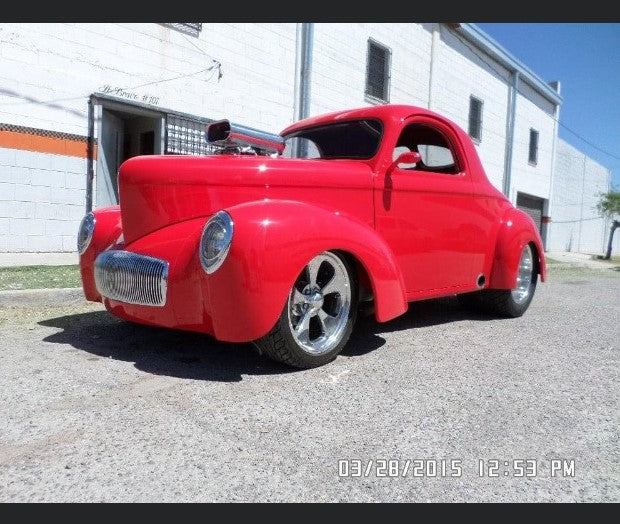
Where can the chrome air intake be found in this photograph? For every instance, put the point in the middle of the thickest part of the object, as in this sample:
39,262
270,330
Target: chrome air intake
228,135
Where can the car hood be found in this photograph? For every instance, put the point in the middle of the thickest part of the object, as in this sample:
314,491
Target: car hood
156,191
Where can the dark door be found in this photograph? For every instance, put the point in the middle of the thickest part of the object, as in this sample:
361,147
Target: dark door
533,206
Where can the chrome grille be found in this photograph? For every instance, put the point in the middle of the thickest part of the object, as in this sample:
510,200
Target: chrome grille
131,278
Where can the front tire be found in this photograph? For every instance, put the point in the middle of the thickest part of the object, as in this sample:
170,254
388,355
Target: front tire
511,303
318,316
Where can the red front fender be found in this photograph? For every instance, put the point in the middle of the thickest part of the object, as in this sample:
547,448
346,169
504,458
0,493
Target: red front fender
272,242
517,229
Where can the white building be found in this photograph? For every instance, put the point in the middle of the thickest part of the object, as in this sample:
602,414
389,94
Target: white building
78,99
578,182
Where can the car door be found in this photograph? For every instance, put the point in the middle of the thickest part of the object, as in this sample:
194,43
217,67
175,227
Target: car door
423,211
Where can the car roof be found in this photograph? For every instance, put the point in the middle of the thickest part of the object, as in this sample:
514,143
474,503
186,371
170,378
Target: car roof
383,112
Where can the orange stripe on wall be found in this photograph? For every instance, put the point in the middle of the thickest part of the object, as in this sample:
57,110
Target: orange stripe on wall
45,144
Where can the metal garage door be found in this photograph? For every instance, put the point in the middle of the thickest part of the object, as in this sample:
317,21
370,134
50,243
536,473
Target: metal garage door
533,206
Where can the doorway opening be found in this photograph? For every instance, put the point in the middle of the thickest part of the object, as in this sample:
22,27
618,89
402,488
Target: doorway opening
124,132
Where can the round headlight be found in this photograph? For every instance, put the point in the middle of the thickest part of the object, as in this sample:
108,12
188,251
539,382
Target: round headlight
85,233
215,241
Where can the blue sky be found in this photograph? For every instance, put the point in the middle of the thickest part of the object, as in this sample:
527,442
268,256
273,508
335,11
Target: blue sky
585,58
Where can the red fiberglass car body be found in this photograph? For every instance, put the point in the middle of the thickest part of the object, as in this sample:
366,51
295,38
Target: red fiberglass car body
385,205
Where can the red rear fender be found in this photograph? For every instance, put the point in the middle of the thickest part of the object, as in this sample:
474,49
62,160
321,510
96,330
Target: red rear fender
517,229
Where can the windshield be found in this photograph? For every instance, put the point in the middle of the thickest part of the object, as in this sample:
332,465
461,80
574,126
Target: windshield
357,139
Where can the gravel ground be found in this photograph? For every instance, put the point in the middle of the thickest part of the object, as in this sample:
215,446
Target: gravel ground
96,409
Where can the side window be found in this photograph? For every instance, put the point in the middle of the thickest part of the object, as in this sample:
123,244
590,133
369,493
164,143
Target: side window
533,149
435,156
299,147
378,72
435,150
475,118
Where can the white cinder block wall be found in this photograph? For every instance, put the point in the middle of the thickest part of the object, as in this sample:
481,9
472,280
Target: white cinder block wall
576,225
41,200
339,64
48,71
52,69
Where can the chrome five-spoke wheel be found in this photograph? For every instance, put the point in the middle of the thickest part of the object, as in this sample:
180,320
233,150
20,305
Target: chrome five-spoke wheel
318,316
319,304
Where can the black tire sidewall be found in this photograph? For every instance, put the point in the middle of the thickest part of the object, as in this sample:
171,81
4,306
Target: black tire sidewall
499,301
520,308
502,303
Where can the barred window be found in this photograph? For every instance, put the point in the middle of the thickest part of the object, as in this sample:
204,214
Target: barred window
185,136
190,29
475,118
533,151
378,71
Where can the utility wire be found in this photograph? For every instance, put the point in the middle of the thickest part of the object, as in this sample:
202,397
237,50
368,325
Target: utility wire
219,64
155,82
587,141
577,220
215,64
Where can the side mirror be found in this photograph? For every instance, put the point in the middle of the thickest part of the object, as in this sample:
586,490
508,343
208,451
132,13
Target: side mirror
408,157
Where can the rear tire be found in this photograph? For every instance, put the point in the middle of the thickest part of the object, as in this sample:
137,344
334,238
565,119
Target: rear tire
511,303
318,316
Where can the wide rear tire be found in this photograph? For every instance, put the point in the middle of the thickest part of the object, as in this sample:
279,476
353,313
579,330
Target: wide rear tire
509,303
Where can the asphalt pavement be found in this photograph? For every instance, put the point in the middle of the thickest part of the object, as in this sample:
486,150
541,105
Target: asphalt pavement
97,409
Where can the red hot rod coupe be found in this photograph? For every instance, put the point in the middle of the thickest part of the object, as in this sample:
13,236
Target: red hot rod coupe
279,238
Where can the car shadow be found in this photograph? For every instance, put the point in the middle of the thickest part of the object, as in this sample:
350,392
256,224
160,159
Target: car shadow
425,313
160,351
195,356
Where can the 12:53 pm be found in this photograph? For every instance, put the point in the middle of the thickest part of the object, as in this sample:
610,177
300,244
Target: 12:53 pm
527,468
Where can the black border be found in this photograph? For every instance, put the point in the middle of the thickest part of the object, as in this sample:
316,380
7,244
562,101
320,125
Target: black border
315,11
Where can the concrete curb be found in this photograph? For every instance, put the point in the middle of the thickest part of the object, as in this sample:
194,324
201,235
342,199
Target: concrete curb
42,297
578,265
562,265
